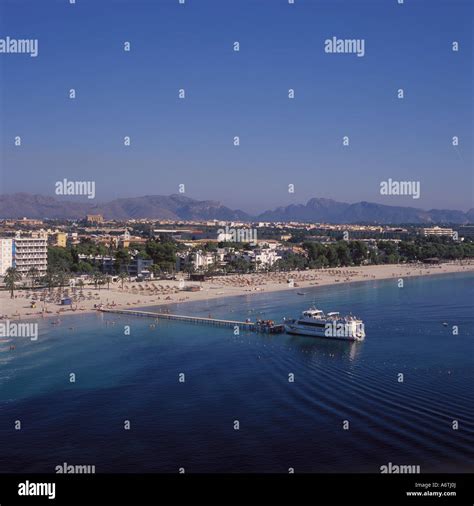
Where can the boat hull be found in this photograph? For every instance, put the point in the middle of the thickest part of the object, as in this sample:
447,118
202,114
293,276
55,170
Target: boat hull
297,330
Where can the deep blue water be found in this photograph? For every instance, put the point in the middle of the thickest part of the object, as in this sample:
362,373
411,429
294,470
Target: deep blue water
245,378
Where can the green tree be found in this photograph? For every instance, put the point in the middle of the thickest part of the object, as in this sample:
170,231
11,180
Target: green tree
388,252
358,252
332,256
84,267
189,267
163,254
122,260
60,259
50,279
98,279
343,253
408,251
122,277
12,276
33,273
62,278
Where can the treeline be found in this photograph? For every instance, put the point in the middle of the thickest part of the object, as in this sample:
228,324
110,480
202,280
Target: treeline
314,255
351,253
423,248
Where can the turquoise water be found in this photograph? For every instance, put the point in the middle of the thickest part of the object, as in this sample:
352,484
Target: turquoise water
282,424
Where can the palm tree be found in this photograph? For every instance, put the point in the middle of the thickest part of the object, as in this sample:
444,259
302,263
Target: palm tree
80,284
108,278
33,273
122,276
51,277
98,279
189,268
49,280
11,277
62,278
156,270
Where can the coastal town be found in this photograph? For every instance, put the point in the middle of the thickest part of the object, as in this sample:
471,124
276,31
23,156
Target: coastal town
49,267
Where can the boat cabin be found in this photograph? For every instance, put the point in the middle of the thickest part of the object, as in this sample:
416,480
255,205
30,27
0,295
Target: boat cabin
313,313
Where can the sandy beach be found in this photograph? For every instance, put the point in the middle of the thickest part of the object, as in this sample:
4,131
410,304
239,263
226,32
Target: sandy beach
160,293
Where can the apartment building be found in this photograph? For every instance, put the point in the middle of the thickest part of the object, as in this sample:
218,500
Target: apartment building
262,258
6,255
59,239
438,231
30,249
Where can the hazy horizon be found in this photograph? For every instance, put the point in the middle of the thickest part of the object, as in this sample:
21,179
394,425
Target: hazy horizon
96,202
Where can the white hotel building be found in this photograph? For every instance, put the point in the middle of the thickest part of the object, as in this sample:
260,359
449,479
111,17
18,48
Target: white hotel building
30,250
438,231
6,255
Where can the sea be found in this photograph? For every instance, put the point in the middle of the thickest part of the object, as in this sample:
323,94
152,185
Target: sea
169,397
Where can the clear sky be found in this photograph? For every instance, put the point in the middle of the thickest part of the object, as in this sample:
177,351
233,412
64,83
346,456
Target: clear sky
241,94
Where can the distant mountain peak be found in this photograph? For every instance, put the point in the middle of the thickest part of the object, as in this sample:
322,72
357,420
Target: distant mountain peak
180,207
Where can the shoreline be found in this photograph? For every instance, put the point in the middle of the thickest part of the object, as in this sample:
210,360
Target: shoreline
166,292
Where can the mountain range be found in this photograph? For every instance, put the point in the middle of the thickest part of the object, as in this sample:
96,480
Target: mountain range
179,207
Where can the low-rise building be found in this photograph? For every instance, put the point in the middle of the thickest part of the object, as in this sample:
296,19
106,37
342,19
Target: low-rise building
94,219
59,239
203,260
107,265
73,238
140,267
262,258
438,231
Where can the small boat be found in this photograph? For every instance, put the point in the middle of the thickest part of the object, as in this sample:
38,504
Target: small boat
301,293
445,324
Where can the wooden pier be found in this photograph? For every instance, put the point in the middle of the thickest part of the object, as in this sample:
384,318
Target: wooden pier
260,326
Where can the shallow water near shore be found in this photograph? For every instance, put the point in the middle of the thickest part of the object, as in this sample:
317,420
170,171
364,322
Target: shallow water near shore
227,378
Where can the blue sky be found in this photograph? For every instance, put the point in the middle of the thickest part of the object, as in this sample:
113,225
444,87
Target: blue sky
241,94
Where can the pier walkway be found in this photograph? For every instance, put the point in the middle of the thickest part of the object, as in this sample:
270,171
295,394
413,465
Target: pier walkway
261,326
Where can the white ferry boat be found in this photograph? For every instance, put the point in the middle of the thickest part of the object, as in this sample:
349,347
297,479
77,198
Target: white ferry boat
314,322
